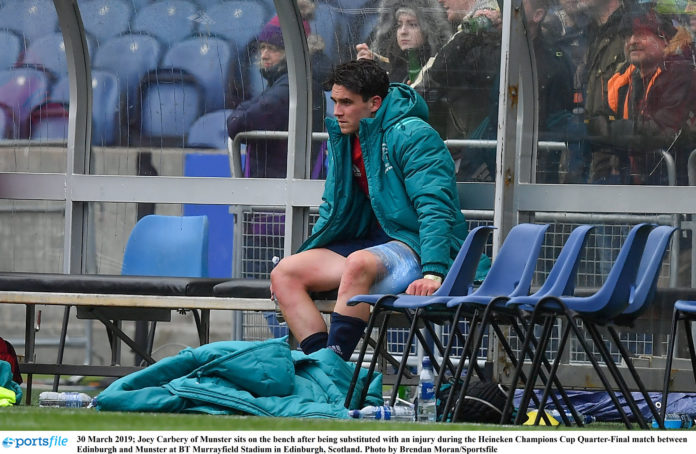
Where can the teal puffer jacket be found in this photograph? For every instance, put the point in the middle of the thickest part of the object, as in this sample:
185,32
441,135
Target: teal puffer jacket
6,381
410,174
236,377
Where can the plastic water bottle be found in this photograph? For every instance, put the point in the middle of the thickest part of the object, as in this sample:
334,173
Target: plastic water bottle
586,419
427,411
676,421
384,413
64,399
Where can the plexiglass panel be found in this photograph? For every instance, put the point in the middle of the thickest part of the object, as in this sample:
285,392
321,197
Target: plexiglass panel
32,59
632,74
179,76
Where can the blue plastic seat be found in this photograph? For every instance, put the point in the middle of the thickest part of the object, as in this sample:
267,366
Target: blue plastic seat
208,59
168,20
209,131
10,48
22,90
48,52
607,303
167,246
238,21
105,105
684,311
641,298
129,57
49,121
560,281
104,19
459,281
511,274
29,18
171,101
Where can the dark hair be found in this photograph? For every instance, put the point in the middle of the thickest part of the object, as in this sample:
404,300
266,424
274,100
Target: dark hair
364,77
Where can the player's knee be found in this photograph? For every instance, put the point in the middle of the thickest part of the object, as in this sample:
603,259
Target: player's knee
361,266
285,276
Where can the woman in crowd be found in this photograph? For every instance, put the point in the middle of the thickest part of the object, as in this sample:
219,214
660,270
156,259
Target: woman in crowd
408,31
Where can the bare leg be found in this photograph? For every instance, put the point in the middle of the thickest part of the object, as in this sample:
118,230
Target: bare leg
361,271
294,277
348,322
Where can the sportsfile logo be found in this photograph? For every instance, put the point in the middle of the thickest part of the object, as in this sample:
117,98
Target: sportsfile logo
44,442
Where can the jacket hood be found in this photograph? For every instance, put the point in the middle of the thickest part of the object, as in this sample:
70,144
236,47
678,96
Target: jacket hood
401,102
431,18
680,46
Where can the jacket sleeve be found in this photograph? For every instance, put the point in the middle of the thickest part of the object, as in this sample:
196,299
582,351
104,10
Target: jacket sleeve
267,111
327,197
429,180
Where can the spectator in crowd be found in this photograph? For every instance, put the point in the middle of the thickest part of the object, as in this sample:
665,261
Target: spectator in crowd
390,221
409,32
269,110
555,90
605,55
564,28
651,100
458,82
554,97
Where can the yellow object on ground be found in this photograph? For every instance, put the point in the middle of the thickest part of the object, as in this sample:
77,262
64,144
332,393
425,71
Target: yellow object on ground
7,397
531,417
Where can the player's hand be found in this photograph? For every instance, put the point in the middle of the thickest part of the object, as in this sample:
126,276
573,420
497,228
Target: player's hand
423,287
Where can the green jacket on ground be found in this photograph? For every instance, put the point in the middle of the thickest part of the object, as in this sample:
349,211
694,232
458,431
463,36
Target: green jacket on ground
237,377
411,180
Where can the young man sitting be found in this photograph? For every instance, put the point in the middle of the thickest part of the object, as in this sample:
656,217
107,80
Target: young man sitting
390,220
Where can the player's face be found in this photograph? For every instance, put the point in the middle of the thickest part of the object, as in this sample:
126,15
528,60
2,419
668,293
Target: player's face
350,108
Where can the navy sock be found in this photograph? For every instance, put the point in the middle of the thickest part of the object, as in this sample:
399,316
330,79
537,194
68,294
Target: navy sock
344,334
314,342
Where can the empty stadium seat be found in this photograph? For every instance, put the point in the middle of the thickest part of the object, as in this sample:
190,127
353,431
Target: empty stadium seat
171,101
238,21
105,105
209,131
29,18
168,20
208,59
48,52
21,90
104,19
10,48
129,57
49,121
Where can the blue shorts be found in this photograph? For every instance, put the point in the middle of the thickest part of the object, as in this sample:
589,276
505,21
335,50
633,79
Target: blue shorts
400,264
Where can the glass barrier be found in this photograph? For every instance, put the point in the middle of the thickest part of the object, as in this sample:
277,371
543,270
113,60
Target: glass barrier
633,105
32,62
184,74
